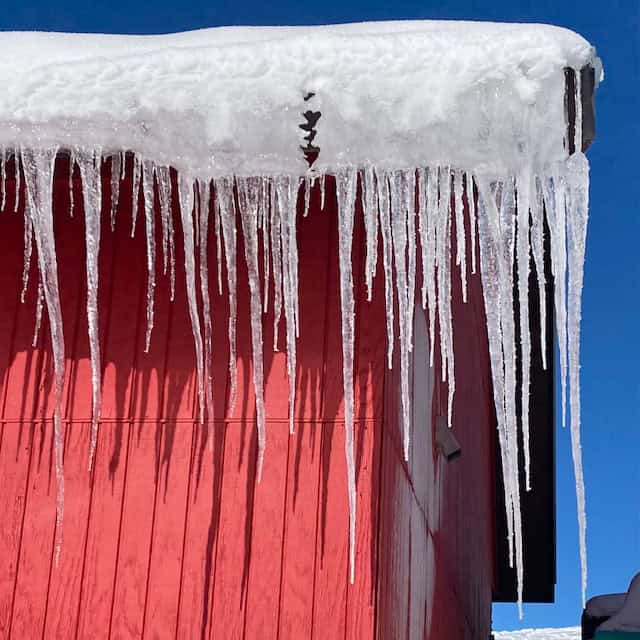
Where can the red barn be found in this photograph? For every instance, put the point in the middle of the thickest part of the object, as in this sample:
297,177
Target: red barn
169,535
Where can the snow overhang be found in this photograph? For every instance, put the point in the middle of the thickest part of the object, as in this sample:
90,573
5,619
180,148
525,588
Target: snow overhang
481,96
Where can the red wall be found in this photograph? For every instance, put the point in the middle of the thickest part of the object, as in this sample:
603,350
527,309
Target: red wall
169,538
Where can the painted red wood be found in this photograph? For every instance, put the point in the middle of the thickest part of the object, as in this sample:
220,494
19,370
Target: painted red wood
170,537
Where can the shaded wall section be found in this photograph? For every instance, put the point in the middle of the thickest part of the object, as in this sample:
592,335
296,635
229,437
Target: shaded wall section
169,536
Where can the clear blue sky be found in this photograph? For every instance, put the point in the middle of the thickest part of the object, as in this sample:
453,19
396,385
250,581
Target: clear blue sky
611,311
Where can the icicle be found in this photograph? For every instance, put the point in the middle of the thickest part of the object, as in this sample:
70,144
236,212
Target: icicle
276,254
226,201
185,189
116,169
346,193
523,189
28,248
123,165
72,164
163,178
287,206
3,168
370,209
38,168
204,197
537,245
322,190
578,212
554,198
150,232
495,246
399,215
422,231
307,195
218,230
135,192
382,183
249,199
471,204
18,176
443,258
409,187
90,164
39,305
264,203
430,226
461,241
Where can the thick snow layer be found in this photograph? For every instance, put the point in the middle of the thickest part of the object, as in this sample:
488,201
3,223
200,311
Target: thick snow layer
569,633
396,94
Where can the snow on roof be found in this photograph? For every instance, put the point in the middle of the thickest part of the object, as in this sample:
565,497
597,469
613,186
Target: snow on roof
393,94
569,633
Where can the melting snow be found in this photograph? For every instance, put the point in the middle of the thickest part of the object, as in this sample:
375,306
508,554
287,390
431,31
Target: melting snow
442,126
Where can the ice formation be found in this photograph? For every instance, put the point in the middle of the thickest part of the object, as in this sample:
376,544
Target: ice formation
454,134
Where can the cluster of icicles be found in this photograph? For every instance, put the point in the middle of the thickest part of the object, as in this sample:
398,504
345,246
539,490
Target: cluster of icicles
419,215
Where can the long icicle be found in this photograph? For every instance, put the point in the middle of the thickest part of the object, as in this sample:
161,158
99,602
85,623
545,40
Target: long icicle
249,194
38,167
382,183
276,257
397,186
346,193
185,189
287,205
18,179
523,252
431,225
496,273
28,249
150,233
226,202
264,204
135,191
370,211
203,211
116,169
537,246
90,163
578,213
163,179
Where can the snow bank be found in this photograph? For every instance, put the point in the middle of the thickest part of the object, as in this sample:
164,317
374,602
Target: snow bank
569,633
435,125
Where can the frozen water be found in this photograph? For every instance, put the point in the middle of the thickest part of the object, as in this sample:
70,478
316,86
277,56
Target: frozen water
90,164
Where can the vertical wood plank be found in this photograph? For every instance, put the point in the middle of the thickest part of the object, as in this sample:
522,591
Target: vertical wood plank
135,534
95,601
65,579
234,546
264,579
36,554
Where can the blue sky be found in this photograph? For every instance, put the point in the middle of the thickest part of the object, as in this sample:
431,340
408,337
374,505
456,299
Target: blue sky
611,349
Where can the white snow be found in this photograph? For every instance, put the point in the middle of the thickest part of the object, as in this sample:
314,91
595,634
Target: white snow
443,126
399,94
568,633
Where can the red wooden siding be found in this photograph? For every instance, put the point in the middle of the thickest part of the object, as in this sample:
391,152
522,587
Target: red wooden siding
169,537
